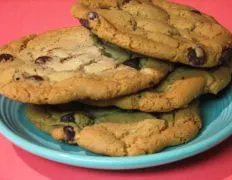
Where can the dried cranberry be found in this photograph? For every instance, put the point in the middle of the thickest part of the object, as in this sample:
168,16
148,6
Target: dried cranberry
69,132
134,63
68,118
6,57
42,60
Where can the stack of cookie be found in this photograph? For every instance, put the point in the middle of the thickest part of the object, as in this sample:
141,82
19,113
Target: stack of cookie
124,83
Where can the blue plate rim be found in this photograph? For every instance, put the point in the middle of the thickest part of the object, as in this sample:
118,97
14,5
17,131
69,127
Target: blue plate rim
117,162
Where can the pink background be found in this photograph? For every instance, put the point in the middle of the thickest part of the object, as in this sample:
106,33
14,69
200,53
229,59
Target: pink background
20,17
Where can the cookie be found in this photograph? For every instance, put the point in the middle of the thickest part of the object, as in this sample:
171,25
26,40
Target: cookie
115,132
70,64
159,29
181,87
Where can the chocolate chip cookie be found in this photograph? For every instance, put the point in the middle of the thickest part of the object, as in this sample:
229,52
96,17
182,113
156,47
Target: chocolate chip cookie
158,28
182,86
115,132
70,64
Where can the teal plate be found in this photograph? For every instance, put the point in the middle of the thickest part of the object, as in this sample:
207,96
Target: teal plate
217,126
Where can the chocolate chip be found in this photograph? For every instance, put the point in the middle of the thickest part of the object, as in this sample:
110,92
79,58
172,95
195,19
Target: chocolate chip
196,11
35,78
226,55
6,57
196,56
92,15
84,23
69,132
42,60
134,63
68,118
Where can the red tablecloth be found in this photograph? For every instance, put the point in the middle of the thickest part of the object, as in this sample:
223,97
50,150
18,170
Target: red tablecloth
21,17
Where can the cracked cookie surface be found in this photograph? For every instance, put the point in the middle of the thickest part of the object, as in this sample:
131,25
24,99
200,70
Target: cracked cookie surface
159,29
115,132
181,87
71,63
